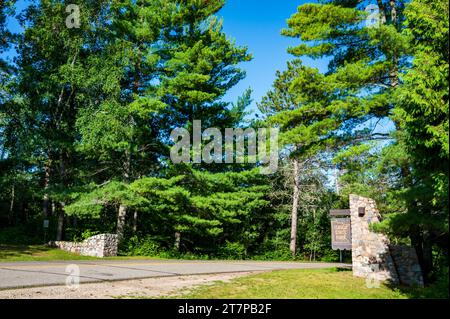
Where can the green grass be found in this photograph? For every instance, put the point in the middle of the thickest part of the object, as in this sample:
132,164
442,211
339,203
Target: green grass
303,284
12,253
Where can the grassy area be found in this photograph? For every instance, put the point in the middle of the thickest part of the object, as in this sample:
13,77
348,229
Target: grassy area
306,284
11,253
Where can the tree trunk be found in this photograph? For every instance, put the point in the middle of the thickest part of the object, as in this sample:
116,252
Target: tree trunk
135,220
121,221
295,199
177,240
46,200
11,206
382,12
394,72
427,259
423,251
393,11
122,208
336,176
60,228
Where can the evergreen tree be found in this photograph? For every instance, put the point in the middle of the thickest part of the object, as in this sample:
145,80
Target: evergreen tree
173,68
423,113
299,104
321,113
50,88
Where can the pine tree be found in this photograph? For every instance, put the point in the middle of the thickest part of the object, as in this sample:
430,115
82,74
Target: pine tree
301,105
321,113
167,70
50,86
118,130
423,113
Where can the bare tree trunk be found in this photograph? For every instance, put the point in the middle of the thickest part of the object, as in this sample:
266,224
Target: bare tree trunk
11,205
135,220
177,240
294,216
315,234
46,200
122,208
393,11
393,74
382,12
121,221
60,228
336,176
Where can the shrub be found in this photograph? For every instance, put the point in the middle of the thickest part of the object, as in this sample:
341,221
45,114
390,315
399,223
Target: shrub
233,251
85,235
140,247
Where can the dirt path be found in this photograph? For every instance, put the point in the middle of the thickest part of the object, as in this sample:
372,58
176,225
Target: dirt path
138,288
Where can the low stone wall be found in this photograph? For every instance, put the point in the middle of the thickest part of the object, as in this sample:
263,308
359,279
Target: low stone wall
103,245
372,255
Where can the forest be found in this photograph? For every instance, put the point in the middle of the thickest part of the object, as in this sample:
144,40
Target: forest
92,94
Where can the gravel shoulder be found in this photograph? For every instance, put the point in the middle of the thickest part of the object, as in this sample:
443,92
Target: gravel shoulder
139,288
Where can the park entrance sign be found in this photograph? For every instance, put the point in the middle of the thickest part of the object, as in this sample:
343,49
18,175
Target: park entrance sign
341,234
373,257
341,230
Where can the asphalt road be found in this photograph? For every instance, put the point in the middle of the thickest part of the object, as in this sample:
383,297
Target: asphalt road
35,274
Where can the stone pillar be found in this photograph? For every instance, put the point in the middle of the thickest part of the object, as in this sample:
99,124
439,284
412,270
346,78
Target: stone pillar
371,257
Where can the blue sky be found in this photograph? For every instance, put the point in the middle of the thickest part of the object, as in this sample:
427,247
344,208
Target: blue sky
257,24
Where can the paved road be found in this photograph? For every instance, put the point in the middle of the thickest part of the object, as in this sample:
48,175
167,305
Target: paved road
34,274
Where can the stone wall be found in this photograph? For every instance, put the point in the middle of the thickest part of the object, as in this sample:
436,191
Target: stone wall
407,265
372,255
103,245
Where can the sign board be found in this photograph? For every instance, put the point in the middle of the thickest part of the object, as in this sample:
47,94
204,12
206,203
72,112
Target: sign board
341,234
46,222
340,212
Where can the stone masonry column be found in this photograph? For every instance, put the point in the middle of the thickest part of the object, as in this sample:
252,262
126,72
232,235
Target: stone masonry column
370,251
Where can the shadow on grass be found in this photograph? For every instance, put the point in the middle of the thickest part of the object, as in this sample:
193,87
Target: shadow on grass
344,268
437,290
21,251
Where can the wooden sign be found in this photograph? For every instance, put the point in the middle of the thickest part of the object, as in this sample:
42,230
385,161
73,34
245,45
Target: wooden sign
340,212
341,234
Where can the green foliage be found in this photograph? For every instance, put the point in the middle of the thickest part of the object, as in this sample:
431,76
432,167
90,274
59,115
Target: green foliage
19,235
86,234
233,251
113,193
422,114
141,247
